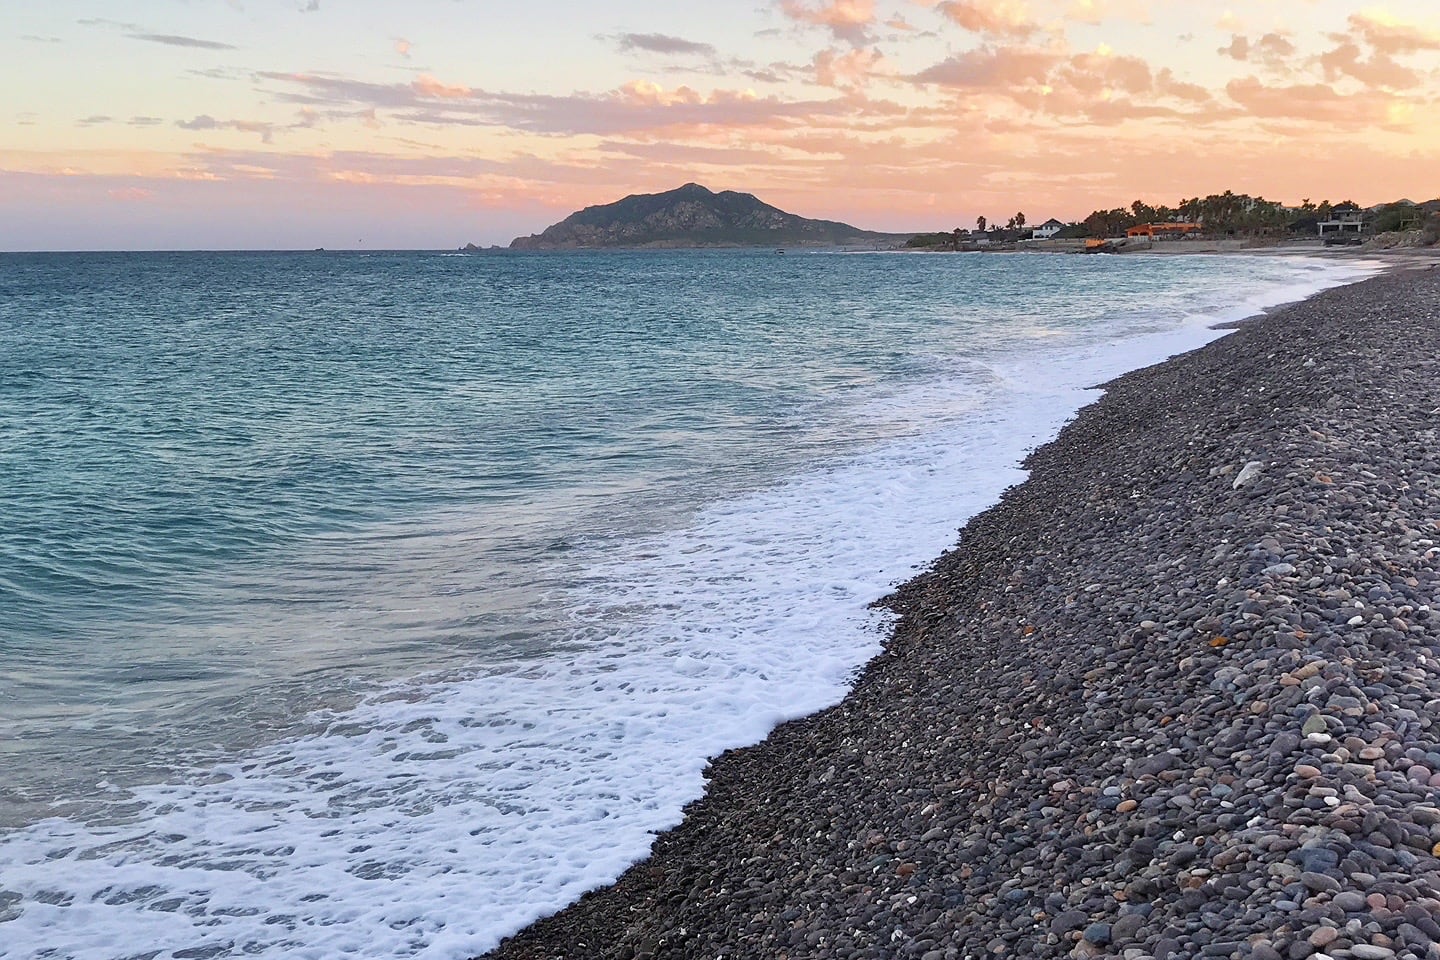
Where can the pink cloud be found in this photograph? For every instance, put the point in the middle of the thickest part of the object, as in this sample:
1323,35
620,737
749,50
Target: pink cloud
1271,49
991,66
1378,70
848,20
1009,18
428,86
635,107
1313,102
845,70
1391,36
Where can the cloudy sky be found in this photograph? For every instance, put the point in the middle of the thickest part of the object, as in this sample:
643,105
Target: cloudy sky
429,123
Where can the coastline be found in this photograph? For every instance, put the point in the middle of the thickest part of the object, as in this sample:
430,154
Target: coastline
904,822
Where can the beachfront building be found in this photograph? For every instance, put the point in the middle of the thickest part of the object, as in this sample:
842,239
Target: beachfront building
1163,231
1344,218
1047,229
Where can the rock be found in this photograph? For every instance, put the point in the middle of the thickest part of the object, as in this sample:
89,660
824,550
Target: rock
1123,930
1365,951
1319,882
1350,901
1248,474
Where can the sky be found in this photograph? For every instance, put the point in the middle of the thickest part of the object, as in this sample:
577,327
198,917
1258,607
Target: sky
370,124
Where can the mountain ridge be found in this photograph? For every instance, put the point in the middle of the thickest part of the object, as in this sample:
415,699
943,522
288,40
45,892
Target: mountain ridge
694,216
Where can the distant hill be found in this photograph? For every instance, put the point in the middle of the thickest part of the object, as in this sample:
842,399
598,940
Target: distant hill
693,216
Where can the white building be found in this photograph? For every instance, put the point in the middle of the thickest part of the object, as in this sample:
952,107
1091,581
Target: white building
1047,229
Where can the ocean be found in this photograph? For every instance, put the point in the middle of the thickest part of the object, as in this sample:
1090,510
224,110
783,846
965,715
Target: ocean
377,604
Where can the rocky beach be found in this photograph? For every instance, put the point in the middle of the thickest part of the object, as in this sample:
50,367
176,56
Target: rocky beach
1176,695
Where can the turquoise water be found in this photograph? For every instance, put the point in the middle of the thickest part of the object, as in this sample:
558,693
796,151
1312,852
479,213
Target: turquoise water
309,503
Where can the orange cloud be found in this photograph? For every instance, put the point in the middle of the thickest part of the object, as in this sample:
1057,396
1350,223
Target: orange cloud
1091,73
1316,102
645,93
845,70
849,20
996,17
992,66
1391,36
428,86
1272,49
1379,70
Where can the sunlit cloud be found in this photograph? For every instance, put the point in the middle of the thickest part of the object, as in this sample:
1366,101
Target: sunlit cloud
428,86
1006,18
1271,49
848,69
633,107
1377,70
848,20
992,66
1389,35
851,109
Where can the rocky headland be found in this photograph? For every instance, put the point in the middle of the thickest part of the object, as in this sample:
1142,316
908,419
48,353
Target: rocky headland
693,216
1177,695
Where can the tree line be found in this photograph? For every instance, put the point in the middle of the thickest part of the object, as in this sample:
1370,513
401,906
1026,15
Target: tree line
1227,213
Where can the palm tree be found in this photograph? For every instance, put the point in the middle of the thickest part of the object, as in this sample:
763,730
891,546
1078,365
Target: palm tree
981,223
1020,221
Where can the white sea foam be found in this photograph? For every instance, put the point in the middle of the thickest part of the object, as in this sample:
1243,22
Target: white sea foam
437,819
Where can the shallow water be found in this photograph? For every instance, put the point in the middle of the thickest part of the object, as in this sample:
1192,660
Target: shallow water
363,605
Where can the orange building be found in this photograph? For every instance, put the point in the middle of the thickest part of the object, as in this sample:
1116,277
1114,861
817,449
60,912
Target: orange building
1153,230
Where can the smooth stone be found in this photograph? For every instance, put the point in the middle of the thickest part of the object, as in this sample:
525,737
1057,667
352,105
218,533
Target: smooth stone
1366,951
1319,882
1350,901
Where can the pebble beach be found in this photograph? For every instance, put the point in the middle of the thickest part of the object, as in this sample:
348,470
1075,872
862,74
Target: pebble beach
1176,695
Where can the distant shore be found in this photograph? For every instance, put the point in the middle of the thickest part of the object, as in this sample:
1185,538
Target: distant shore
1172,697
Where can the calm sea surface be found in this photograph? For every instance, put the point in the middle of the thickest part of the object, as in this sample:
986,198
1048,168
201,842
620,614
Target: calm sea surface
374,605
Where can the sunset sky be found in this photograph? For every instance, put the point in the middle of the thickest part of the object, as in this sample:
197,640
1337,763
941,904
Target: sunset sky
350,124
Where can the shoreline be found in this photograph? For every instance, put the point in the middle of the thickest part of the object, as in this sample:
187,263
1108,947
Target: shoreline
877,827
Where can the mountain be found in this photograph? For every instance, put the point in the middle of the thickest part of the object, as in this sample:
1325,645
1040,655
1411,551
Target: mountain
693,216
